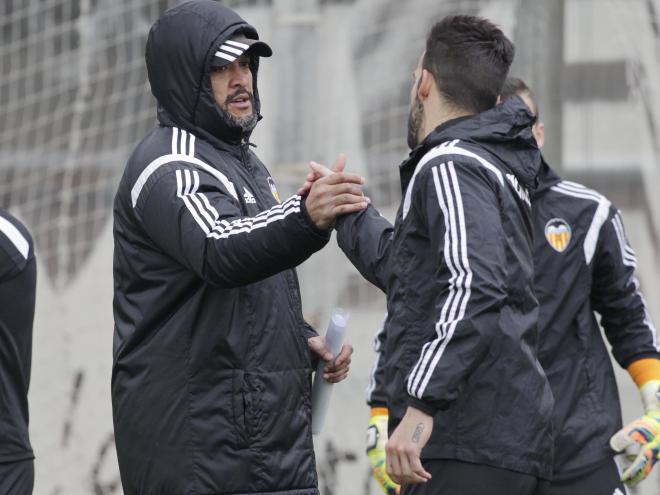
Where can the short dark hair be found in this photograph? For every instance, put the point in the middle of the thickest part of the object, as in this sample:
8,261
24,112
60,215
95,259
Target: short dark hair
469,58
516,86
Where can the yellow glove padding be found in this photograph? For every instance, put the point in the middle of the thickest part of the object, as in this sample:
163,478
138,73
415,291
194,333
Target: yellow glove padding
640,440
376,440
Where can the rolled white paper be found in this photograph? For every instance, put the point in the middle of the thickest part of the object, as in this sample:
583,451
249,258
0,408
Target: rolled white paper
322,389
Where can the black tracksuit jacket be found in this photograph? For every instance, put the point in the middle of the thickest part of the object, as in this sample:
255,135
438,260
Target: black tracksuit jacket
583,263
18,279
211,377
458,273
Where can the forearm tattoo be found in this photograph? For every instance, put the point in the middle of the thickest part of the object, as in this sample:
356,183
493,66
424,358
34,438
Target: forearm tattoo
418,432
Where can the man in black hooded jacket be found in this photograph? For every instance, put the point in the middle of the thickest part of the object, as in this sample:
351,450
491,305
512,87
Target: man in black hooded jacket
212,363
470,407
583,263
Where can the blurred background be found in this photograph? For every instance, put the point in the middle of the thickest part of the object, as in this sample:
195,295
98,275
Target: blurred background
74,100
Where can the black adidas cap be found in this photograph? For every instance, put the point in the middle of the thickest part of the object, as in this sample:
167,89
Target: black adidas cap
234,47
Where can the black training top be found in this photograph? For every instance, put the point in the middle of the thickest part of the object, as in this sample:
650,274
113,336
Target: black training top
457,268
17,295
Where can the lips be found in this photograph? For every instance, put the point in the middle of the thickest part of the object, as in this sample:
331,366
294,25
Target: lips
241,101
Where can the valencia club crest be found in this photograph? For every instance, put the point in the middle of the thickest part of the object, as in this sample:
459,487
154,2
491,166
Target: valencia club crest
273,189
558,234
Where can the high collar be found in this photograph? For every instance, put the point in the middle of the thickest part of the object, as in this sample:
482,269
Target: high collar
505,131
546,179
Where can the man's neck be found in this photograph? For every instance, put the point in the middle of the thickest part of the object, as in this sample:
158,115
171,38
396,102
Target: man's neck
435,117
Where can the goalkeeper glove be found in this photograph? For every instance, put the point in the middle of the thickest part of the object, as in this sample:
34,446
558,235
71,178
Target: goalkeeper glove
641,438
376,440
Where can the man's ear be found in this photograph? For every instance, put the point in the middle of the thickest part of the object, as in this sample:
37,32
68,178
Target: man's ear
539,133
425,85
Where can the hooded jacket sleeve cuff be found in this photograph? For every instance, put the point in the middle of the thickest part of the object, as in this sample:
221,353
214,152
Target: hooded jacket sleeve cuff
423,406
322,234
309,331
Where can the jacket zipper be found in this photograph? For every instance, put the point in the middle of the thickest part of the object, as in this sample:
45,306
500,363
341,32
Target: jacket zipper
245,159
295,304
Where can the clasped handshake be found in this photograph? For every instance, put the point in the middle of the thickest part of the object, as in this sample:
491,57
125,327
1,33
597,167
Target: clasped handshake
331,193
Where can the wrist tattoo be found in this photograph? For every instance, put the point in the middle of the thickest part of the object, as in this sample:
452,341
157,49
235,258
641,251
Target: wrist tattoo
418,432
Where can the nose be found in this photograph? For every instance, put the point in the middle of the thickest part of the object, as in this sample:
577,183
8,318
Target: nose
241,77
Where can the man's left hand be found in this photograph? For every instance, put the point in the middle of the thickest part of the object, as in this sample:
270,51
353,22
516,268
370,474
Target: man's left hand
319,171
335,370
640,440
405,446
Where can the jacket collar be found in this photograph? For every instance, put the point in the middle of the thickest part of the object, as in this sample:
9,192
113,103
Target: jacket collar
504,131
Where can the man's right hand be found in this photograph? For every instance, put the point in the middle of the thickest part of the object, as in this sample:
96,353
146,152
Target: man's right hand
333,194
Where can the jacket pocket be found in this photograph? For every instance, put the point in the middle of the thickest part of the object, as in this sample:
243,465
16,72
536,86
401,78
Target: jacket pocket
239,407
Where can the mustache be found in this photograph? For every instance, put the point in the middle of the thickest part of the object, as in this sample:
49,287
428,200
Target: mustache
238,93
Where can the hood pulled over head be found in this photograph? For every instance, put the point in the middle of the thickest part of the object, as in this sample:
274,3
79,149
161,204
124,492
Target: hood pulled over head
181,48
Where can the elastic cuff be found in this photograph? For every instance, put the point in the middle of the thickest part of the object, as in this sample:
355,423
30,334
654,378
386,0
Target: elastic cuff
423,406
310,223
625,363
643,371
309,331
379,411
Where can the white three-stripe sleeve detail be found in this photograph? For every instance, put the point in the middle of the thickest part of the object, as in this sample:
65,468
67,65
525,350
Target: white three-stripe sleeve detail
465,279
627,254
182,191
451,204
371,386
647,317
446,149
191,145
183,148
578,193
591,239
211,209
165,159
203,206
223,229
15,236
429,347
628,259
175,140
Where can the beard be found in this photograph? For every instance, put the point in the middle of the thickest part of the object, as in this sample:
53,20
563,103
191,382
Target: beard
246,123
415,119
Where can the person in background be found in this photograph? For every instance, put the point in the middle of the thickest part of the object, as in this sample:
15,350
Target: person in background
584,265
18,281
